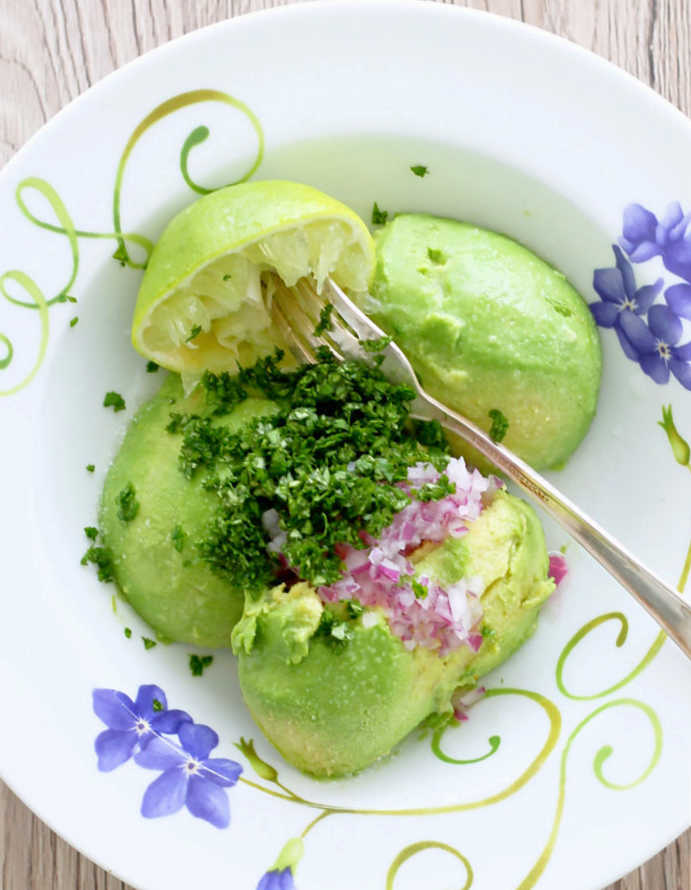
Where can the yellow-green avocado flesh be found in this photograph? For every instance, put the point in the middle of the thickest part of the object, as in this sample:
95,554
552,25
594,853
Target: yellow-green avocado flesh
332,712
173,590
489,325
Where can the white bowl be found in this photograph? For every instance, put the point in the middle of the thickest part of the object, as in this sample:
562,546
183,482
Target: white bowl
521,132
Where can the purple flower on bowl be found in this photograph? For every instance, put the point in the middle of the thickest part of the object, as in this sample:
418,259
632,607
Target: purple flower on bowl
277,880
654,345
132,724
618,293
644,236
189,776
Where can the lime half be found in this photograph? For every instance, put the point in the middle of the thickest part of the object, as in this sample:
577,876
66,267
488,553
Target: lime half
204,302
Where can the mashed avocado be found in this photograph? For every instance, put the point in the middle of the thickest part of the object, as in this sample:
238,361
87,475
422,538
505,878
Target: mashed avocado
333,709
490,327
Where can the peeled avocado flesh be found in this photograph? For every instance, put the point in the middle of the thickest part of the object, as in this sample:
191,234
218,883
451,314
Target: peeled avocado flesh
174,591
489,325
333,711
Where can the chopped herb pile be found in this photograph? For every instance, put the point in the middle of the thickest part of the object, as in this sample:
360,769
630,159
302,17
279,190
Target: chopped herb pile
420,170
128,505
499,427
379,217
115,401
199,663
328,462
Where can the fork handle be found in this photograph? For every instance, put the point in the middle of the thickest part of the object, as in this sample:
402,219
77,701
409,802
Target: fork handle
670,611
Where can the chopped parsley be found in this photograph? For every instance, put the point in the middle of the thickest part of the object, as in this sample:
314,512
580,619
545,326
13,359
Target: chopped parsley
178,536
354,608
199,663
328,460
103,559
223,392
499,427
156,705
91,532
151,367
195,332
227,276
376,344
115,401
73,321
128,633
419,170
324,323
128,505
437,256
90,468
148,644
379,217
487,632
419,589
335,633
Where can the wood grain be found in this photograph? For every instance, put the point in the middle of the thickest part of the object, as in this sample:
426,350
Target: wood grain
52,50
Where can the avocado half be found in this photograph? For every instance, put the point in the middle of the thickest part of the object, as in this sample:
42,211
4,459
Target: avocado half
159,570
332,711
489,326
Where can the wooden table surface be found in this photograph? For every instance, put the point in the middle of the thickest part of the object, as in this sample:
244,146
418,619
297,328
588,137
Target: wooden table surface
52,50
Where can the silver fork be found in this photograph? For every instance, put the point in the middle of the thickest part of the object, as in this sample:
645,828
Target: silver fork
349,326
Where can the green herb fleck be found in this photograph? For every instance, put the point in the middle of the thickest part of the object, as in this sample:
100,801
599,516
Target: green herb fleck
488,633
148,644
336,634
128,633
91,532
115,401
324,323
156,705
379,217
499,427
90,468
227,276
199,663
223,392
103,559
419,589
70,299
178,538
128,505
420,170
151,367
195,332
73,321
354,608
376,344
437,256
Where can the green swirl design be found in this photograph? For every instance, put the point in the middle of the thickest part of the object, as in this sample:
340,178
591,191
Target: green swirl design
413,849
649,656
494,741
64,225
602,755
554,717
40,303
196,137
